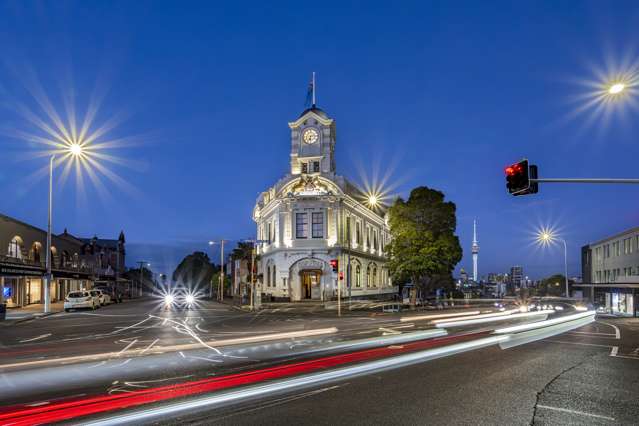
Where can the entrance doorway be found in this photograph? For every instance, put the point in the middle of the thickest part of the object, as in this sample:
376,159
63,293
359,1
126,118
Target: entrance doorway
310,279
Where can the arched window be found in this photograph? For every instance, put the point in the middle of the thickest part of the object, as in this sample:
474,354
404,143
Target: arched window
358,276
268,276
15,247
36,249
374,276
274,280
369,283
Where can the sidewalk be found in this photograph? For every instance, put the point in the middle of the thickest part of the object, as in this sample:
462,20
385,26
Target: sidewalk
15,315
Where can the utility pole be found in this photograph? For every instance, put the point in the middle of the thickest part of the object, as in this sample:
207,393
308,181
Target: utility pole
142,263
255,243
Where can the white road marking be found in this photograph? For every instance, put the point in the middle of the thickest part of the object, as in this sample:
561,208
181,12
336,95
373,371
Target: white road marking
127,347
389,331
149,347
581,413
614,350
617,331
35,338
578,343
594,334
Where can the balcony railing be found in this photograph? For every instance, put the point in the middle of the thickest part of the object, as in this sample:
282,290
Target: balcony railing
66,266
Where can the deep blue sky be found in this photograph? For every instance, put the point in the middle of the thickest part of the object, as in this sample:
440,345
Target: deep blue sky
442,94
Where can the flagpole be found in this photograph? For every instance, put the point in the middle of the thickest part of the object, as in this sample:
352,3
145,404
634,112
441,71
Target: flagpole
313,88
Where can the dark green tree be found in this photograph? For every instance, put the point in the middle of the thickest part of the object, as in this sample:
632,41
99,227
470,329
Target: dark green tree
424,248
555,286
195,272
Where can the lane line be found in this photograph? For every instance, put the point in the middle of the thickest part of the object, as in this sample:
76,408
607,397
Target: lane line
614,350
617,331
581,413
35,338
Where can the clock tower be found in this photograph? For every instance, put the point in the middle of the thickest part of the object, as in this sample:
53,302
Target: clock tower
312,143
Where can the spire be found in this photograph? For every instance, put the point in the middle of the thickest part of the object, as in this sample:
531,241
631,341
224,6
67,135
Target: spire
474,231
313,89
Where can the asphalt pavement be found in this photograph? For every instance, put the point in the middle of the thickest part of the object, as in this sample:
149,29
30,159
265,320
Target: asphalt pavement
587,376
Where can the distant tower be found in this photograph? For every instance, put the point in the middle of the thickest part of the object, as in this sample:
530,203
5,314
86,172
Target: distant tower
475,250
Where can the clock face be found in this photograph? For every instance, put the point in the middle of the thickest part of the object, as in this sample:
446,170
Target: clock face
310,136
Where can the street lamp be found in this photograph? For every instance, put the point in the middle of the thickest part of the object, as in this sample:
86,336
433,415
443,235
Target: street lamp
255,243
616,88
74,150
546,237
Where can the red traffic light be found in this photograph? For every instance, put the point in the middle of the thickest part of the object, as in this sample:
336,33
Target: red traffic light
519,176
334,264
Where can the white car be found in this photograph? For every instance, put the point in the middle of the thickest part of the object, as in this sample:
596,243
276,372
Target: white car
80,300
102,298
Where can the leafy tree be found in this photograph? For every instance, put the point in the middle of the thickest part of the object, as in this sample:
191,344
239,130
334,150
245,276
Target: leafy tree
555,285
424,248
243,252
195,272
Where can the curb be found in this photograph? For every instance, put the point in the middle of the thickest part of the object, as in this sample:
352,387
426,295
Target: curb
26,319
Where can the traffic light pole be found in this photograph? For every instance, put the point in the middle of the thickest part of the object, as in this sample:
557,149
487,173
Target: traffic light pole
585,180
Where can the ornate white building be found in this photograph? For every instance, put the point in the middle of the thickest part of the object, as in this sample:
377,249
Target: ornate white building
313,223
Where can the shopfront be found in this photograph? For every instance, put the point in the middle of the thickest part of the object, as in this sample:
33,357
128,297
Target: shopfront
614,299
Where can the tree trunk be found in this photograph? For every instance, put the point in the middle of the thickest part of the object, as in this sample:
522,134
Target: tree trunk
413,294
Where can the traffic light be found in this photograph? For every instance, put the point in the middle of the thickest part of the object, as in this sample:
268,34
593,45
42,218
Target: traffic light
334,264
518,177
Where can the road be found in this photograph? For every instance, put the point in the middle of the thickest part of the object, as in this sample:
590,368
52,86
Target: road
122,349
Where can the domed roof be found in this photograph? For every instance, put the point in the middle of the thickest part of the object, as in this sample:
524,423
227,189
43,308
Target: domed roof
316,110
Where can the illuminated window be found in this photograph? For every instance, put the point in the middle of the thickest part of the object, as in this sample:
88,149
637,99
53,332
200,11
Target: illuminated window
369,283
268,276
358,276
318,224
304,167
301,225
316,166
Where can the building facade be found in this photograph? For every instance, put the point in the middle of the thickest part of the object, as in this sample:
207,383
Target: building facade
23,263
610,272
315,231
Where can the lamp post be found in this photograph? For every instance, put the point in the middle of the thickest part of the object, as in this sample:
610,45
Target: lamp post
47,277
220,294
255,243
547,237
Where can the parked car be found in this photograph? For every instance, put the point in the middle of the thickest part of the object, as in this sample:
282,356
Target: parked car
103,298
80,300
114,295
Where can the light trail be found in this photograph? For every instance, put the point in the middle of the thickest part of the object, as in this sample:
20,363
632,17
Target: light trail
64,410
477,316
431,317
300,382
494,318
539,324
175,348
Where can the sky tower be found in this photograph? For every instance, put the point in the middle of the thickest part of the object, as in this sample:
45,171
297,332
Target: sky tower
475,251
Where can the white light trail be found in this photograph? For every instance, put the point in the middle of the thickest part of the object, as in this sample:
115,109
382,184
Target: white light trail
430,317
470,317
494,318
539,324
175,348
